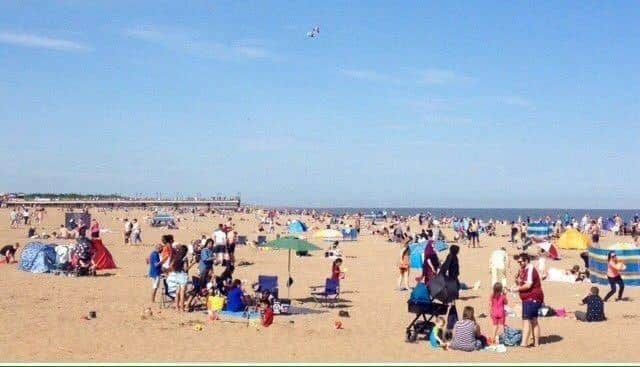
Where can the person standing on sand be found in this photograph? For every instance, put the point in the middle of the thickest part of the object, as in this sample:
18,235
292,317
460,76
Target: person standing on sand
13,216
127,230
614,267
529,287
155,270
499,263
220,243
403,279
136,233
594,230
430,262
474,233
95,229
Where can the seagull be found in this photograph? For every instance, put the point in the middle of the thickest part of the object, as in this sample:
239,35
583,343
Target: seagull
314,32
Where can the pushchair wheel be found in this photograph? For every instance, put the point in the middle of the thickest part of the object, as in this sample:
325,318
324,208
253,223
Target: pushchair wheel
412,336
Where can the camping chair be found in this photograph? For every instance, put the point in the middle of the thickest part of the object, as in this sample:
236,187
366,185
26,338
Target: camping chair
330,293
267,285
196,294
168,294
262,240
242,240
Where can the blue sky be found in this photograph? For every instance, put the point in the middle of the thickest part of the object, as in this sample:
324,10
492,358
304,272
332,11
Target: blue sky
489,104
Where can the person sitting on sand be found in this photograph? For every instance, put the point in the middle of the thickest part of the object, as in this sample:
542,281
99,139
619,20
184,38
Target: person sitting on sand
235,297
63,233
595,307
466,333
266,313
436,336
9,253
86,265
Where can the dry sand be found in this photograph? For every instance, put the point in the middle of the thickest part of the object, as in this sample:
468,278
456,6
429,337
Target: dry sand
42,315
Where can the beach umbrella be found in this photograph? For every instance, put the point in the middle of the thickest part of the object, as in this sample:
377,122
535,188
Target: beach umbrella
328,234
291,243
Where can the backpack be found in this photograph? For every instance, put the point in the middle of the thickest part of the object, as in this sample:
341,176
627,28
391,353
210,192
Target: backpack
511,337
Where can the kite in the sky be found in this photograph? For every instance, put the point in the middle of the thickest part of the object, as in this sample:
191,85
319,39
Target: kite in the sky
314,32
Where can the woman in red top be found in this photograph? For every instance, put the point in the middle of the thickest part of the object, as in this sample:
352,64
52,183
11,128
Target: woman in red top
336,274
529,287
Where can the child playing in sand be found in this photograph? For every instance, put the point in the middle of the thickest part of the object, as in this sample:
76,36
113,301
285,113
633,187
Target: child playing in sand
436,337
267,313
595,307
496,306
336,273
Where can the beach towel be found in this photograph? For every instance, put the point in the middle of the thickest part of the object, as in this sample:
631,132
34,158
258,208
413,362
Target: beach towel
415,255
240,314
495,348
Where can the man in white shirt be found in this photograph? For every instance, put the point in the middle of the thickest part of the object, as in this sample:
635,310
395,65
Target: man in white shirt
220,243
499,264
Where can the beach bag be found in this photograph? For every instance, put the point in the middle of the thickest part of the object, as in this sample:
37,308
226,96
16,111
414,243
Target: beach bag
546,311
443,289
420,294
511,337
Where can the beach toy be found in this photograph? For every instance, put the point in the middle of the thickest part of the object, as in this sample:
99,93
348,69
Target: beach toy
198,327
337,324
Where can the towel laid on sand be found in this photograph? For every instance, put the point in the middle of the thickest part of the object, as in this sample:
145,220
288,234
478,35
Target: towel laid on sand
239,315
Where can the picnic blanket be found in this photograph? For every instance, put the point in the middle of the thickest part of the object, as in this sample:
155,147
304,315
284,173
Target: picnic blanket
239,315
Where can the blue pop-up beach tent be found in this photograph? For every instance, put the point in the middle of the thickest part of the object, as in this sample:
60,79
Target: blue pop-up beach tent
297,226
38,258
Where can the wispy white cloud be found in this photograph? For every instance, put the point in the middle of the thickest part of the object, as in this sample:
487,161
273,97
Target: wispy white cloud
44,42
370,75
420,77
180,40
432,104
440,77
514,101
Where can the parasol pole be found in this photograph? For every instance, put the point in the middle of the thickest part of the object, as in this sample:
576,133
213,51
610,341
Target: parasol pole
289,271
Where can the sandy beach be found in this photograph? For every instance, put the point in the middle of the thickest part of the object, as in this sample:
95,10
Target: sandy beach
42,314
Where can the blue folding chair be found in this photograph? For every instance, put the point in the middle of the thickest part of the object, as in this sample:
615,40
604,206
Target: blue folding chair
262,239
330,293
267,285
242,240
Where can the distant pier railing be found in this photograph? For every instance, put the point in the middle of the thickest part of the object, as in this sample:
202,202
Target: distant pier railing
211,204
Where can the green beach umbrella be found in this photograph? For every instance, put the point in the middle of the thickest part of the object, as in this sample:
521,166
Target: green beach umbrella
291,243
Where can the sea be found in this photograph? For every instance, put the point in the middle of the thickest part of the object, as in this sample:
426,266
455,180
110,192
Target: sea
507,214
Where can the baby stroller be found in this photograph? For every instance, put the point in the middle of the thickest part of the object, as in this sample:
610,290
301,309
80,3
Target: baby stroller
423,306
